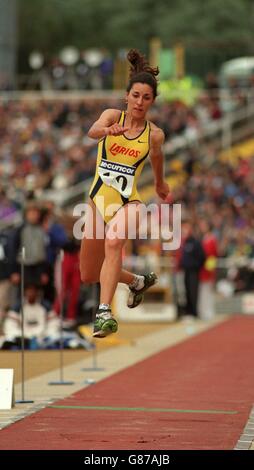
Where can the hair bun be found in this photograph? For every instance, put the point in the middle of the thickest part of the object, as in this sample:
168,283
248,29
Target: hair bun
133,56
139,64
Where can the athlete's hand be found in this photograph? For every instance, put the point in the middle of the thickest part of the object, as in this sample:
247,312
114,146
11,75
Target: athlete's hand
162,189
116,129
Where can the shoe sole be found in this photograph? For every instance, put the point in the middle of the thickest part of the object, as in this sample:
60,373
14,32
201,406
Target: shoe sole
140,296
99,334
139,299
103,332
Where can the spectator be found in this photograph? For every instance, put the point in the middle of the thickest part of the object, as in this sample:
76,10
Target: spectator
70,288
4,272
31,236
35,319
56,239
207,275
7,208
191,261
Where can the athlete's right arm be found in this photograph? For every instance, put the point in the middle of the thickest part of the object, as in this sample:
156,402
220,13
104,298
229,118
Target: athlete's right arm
107,124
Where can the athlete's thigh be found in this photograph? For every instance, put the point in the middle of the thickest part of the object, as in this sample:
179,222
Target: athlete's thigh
125,224
92,251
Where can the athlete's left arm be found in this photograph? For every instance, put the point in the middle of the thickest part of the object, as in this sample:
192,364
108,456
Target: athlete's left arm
157,139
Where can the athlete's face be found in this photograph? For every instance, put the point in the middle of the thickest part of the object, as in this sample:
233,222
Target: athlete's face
139,100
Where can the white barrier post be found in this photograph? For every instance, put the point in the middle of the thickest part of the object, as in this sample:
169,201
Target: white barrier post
6,389
61,298
23,254
94,367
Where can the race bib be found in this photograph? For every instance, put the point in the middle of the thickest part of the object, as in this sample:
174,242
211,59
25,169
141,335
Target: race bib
118,176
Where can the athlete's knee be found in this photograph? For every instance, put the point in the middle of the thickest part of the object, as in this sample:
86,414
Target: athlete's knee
88,278
113,244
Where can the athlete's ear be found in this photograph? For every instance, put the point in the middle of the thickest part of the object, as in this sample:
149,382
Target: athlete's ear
126,97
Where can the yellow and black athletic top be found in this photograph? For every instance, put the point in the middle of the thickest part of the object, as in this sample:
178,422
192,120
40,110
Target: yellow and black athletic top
120,161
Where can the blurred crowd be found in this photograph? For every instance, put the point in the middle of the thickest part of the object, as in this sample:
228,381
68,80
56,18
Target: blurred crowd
217,232
44,145
220,194
41,254
223,194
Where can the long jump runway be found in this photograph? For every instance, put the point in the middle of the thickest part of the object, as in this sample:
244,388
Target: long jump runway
195,395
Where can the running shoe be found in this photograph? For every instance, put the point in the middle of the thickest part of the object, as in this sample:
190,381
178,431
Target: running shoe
136,296
105,324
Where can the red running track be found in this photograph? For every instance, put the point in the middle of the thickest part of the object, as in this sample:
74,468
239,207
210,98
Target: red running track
211,371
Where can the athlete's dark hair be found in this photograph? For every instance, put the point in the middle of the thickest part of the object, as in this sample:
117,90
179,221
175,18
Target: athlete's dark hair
141,71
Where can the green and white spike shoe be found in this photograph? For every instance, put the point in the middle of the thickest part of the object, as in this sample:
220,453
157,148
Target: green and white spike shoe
136,296
105,324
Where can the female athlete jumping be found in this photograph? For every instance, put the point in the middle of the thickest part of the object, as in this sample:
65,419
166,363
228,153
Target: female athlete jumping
126,139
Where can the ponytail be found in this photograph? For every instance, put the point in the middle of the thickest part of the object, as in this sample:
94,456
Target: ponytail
141,71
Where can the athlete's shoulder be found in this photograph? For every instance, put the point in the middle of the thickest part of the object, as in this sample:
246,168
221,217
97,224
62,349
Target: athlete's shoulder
111,114
157,135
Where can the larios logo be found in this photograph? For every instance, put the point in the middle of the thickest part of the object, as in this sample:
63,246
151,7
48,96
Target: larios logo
116,149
